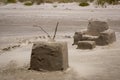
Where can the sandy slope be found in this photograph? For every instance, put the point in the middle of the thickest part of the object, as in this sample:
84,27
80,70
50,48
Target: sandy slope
17,26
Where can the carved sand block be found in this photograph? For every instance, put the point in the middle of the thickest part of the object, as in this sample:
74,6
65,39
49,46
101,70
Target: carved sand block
77,37
86,45
49,56
106,37
89,38
95,27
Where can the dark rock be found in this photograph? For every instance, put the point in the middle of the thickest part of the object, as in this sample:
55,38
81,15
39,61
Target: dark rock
49,56
6,49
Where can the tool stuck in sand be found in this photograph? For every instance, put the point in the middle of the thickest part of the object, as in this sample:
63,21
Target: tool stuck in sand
55,30
49,36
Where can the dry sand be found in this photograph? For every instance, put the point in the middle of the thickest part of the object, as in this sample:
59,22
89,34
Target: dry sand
17,27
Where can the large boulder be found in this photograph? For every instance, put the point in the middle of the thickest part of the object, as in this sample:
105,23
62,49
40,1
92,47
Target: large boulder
106,37
95,27
86,45
49,56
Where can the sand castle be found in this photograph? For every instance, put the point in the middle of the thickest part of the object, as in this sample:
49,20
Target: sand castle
53,55
97,33
50,55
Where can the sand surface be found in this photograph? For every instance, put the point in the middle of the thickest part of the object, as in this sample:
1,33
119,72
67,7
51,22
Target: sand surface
18,27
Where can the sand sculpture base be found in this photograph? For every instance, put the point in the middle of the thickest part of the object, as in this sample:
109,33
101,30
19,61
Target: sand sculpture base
86,45
49,56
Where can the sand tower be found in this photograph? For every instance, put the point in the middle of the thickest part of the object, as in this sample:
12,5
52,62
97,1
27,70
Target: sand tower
49,55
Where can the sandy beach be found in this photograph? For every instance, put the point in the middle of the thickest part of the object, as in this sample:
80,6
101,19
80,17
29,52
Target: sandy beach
18,32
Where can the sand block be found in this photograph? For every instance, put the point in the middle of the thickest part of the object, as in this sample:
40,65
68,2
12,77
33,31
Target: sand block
86,45
83,31
89,38
106,37
49,56
95,27
77,37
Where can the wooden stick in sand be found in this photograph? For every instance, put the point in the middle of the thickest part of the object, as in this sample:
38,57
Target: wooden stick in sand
43,31
55,30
